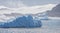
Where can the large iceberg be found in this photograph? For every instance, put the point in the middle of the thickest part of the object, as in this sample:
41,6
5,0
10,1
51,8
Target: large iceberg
22,22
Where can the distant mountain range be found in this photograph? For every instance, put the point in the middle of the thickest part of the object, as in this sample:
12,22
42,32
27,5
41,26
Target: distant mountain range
55,12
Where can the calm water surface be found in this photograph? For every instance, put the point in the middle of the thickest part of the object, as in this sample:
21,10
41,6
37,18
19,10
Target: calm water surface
48,26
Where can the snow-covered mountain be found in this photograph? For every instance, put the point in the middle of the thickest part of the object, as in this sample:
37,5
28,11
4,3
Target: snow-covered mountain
55,12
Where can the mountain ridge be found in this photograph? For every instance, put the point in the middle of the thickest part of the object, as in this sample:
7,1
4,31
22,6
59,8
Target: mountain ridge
55,12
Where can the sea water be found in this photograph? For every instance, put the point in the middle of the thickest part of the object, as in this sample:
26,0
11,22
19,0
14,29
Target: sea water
48,26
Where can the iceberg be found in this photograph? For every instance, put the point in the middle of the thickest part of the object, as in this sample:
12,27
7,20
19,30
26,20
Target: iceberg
22,22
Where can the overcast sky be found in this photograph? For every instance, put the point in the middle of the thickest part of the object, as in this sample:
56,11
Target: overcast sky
17,3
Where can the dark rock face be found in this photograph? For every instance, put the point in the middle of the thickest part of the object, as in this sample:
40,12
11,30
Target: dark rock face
55,12
22,22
